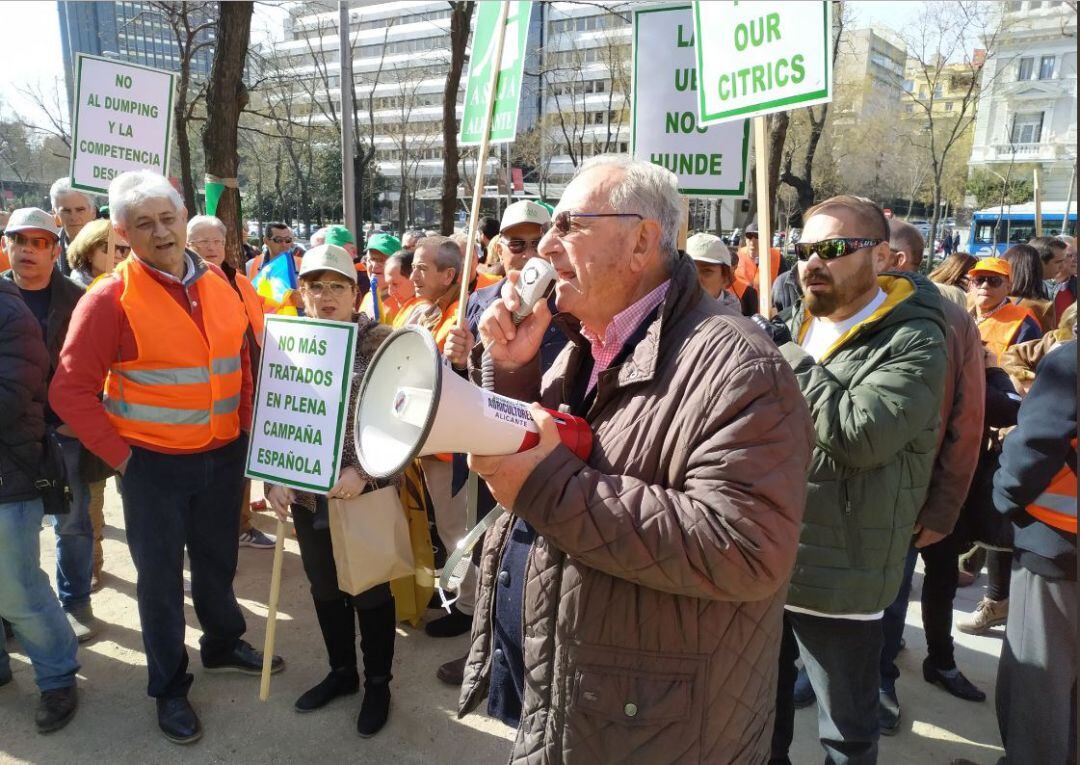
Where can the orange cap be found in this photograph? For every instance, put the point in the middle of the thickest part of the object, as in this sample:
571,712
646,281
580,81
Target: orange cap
998,266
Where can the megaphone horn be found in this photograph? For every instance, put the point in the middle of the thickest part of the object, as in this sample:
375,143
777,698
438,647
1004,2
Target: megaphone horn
408,408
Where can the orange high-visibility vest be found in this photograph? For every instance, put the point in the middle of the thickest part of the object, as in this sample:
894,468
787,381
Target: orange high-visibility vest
999,331
449,321
253,306
401,316
484,279
1057,505
183,391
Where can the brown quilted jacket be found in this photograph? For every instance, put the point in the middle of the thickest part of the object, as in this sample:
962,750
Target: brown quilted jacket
654,590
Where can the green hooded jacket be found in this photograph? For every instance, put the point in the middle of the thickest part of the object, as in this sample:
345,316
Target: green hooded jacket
875,401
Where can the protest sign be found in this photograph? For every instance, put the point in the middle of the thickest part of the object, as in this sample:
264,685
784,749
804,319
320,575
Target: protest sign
709,161
758,58
512,66
122,121
300,402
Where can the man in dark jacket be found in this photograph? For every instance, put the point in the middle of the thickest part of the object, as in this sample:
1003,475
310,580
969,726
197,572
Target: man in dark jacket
33,243
959,439
869,355
26,599
1036,488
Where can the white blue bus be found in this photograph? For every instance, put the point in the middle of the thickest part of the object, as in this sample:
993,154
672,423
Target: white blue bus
1015,224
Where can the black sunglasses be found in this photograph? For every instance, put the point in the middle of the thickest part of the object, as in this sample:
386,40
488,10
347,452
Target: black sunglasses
518,246
992,281
831,249
563,220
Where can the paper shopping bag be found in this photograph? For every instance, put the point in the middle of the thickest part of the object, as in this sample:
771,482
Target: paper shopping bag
370,537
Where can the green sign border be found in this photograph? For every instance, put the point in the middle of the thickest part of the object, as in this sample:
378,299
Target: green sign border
78,103
346,383
740,191
475,139
767,106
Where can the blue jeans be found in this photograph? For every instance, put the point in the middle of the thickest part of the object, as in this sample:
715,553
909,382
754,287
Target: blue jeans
74,535
28,602
173,501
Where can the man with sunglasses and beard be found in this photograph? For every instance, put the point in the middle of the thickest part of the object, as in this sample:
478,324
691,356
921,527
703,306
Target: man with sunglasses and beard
868,350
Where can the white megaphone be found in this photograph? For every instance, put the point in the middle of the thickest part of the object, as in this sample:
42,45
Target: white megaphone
411,404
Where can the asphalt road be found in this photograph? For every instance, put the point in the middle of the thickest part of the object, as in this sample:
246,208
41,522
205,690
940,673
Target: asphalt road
116,721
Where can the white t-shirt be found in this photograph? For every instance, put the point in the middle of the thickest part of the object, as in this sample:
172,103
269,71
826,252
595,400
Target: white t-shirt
820,337
822,333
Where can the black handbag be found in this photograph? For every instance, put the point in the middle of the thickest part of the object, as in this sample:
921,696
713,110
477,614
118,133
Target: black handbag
985,525
51,480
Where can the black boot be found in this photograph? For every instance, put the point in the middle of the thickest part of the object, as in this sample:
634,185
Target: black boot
377,633
339,635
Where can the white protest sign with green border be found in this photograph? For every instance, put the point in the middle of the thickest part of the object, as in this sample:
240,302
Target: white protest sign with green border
511,69
708,161
755,58
122,121
301,399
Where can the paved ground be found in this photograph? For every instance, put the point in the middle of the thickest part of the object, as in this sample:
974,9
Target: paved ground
116,722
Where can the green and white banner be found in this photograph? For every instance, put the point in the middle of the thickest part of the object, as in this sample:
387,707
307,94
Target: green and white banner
122,121
301,402
709,161
756,58
511,68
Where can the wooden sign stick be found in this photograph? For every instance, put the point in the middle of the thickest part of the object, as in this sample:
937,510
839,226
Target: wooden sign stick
761,174
271,613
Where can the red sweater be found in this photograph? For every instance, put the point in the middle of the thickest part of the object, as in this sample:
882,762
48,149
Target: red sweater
98,336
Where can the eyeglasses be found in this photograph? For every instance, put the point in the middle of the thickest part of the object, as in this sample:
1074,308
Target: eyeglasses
337,289
518,246
831,249
218,242
990,281
33,242
563,219
281,239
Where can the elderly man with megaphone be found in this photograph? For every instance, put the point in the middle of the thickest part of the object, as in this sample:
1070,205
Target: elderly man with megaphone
630,604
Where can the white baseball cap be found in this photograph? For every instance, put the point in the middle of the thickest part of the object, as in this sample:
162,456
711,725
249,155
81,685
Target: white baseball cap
708,249
328,257
31,218
525,212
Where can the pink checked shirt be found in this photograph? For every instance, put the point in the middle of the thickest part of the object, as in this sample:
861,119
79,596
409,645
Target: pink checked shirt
604,350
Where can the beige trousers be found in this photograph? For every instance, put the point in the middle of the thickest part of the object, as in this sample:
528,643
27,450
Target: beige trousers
450,520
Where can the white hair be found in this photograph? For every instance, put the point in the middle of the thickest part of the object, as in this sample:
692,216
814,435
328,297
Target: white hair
205,220
137,186
647,189
63,186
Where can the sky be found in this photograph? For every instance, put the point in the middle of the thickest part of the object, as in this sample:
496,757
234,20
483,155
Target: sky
33,57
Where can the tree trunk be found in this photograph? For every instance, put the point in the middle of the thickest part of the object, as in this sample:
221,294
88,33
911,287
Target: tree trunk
778,127
460,17
226,96
183,144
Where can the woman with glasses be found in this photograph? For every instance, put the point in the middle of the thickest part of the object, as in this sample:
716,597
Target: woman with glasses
88,254
328,290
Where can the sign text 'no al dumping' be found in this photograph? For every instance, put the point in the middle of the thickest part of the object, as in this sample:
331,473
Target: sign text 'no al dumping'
301,402
757,58
122,121
708,161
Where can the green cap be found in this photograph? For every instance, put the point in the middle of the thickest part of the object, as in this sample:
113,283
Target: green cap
384,243
339,235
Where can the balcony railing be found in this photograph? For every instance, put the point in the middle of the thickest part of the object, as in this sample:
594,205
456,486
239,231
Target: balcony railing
1029,152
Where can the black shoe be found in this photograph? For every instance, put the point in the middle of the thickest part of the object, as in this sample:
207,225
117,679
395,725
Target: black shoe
8,632
375,710
888,713
337,683
958,685
804,692
453,624
5,677
453,672
244,659
56,708
178,720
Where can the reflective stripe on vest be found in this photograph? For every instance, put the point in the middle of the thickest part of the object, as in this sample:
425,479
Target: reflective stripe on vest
184,389
1057,505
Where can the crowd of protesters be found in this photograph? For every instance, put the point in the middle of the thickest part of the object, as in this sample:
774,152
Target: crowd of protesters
740,543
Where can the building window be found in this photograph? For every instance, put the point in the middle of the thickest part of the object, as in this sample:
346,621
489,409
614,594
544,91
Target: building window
1027,127
1027,65
937,91
949,106
1046,68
